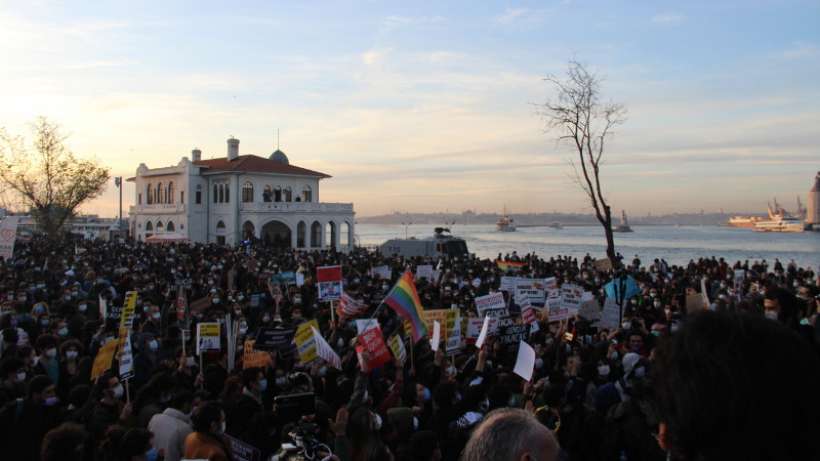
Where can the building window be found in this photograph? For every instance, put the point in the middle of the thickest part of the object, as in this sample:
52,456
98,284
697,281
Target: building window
227,194
160,227
277,194
267,194
288,194
220,239
221,193
247,192
216,193
170,227
307,194
149,227
182,196
149,194
158,193
170,192
199,194
139,198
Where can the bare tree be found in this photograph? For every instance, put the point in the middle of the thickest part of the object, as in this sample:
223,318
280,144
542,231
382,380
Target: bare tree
48,179
582,120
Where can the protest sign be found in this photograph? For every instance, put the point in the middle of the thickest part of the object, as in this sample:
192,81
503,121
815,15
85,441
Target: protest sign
590,309
305,342
104,358
528,316
602,265
475,324
436,339
739,277
610,315
8,235
128,310
323,349
103,305
363,324
425,271
329,279
532,290
695,303
571,295
126,359
453,328
510,331
273,339
181,304
397,348
435,315
705,293
207,337
482,335
241,451
508,283
300,279
556,311
372,341
525,361
284,278
251,358
493,302
382,272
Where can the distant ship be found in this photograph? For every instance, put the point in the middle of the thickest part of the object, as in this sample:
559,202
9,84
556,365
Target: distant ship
556,225
505,223
624,227
748,222
780,220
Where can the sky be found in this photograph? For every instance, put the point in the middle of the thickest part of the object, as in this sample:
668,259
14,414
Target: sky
432,106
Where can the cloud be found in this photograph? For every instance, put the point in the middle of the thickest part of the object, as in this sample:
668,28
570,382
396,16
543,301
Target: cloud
371,57
668,18
512,15
801,50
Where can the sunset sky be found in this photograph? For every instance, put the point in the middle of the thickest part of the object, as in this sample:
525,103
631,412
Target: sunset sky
417,106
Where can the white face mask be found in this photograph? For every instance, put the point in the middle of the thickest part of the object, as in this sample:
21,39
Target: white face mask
21,376
71,354
771,315
190,362
51,353
83,307
603,370
153,345
377,421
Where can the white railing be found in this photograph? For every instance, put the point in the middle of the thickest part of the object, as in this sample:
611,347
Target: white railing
160,208
303,207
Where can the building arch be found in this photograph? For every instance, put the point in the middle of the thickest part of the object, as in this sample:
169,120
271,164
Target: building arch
276,234
149,194
345,239
220,226
267,194
307,194
301,233
170,198
315,235
330,234
160,228
149,227
170,227
158,193
288,193
277,194
248,231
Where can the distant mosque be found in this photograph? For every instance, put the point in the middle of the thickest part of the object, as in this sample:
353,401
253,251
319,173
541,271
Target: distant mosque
238,197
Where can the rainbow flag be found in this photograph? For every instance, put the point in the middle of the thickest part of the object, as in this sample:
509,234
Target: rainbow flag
509,265
404,299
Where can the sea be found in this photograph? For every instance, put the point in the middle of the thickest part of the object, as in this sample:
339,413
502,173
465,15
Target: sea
675,244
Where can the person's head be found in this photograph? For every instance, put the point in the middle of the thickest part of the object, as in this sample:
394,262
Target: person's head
64,443
510,434
113,388
735,386
71,349
10,336
181,400
254,380
137,445
209,418
635,342
42,391
12,370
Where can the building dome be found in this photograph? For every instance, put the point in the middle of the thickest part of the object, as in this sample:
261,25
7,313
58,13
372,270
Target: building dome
280,157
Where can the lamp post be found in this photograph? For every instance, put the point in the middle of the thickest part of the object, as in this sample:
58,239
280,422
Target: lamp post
118,183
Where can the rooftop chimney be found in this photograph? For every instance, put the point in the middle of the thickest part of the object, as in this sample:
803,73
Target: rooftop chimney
196,155
233,148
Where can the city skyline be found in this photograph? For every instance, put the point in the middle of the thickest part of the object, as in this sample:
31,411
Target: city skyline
430,107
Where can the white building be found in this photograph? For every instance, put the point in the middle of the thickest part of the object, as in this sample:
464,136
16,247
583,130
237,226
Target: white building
229,199
813,205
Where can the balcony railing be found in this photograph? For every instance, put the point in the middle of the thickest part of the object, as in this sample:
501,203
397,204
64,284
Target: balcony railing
159,208
300,207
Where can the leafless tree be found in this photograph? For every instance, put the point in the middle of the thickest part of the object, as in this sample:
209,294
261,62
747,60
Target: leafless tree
579,117
48,180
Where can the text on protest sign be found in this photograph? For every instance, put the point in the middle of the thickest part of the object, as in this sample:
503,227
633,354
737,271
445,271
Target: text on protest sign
397,348
274,339
126,359
128,311
241,451
305,342
8,234
492,302
329,281
251,358
207,337
372,341
510,331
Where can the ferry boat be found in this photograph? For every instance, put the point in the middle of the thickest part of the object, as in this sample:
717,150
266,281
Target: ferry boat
441,244
505,223
624,226
747,222
779,221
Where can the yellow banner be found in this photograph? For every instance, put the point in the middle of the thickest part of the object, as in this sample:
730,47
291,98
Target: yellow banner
102,362
254,359
128,310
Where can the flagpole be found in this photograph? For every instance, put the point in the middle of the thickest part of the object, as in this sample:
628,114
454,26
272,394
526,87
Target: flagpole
332,313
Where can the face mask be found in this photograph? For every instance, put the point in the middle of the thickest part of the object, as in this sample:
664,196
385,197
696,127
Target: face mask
243,329
44,322
51,353
71,354
21,376
539,363
153,345
377,421
603,370
240,297
51,401
426,394
63,331
156,315
216,301
263,385
640,372
451,370
626,325
657,304
323,371
771,315
613,355
190,362
266,319
281,381
152,454
82,307
118,391
674,328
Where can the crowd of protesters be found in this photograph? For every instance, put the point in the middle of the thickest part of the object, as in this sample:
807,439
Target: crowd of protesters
738,381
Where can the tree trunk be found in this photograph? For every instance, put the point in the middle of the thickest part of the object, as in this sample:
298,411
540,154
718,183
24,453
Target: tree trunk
610,238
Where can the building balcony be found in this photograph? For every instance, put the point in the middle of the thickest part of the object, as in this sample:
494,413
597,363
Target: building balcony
158,208
296,207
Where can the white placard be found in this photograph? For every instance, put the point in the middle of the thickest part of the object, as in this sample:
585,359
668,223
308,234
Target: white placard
525,362
436,335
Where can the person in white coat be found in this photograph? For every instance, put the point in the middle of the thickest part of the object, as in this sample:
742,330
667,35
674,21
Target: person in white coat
172,426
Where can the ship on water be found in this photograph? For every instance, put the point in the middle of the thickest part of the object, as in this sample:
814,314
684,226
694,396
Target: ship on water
624,226
505,223
780,220
747,222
